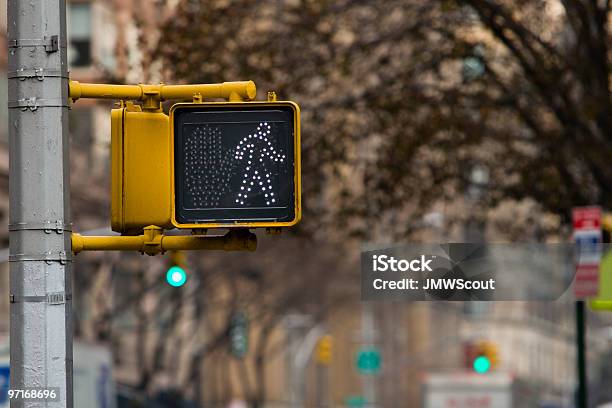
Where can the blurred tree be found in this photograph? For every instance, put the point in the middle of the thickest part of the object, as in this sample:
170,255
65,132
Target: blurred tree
550,69
402,98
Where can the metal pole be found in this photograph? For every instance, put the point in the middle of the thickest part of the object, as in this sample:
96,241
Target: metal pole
582,394
368,337
322,400
39,230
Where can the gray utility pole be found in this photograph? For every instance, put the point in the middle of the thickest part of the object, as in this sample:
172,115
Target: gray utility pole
40,248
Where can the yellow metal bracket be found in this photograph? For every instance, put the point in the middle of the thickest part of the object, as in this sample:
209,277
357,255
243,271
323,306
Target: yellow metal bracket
154,242
153,95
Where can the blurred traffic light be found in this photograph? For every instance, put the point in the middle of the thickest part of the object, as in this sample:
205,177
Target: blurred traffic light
368,361
235,164
355,401
481,364
176,275
482,356
324,350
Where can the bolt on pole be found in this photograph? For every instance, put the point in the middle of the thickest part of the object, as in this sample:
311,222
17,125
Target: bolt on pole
39,230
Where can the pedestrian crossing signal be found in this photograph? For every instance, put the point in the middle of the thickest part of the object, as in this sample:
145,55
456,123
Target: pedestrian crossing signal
235,164
206,165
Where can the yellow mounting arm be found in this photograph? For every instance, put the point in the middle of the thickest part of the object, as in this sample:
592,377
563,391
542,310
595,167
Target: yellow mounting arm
153,241
152,95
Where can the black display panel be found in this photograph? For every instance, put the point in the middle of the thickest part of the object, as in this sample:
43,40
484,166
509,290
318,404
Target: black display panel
234,164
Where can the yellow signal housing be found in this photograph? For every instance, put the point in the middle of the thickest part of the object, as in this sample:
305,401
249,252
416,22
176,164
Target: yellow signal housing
603,301
490,351
140,169
143,195
324,350
143,190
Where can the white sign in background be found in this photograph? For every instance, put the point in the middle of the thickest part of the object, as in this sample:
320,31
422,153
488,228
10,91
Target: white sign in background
468,390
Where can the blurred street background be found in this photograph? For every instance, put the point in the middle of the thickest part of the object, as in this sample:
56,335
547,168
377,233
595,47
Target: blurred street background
423,121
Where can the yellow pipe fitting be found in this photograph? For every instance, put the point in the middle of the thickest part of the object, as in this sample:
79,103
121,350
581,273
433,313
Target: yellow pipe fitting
234,97
154,242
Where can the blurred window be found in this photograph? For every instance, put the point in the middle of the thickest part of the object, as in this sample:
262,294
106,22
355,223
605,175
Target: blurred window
79,33
124,287
476,309
80,127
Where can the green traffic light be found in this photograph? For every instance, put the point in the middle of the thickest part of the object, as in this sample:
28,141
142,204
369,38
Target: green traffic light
176,276
481,364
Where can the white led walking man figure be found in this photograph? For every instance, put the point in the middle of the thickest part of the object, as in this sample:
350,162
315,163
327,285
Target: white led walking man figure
257,176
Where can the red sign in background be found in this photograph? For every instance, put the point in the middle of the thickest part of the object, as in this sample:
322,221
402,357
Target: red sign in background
587,234
586,218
